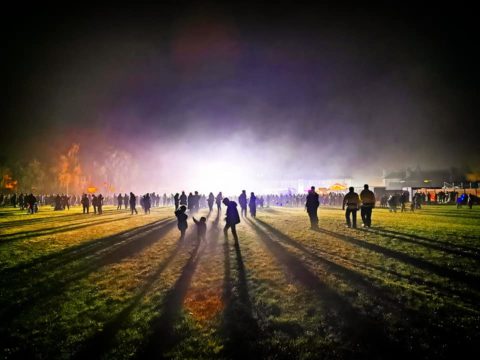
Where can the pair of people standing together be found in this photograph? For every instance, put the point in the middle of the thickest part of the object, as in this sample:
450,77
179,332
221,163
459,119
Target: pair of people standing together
252,203
366,202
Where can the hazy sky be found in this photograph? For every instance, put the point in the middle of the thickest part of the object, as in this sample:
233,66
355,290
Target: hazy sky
291,89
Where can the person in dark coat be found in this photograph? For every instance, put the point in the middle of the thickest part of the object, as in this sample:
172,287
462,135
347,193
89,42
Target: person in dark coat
252,204
146,203
133,203
218,200
312,205
368,203
85,204
31,201
100,204
183,199
196,202
352,200
232,218
94,203
58,203
242,200
182,220
190,201
119,201
176,200
210,201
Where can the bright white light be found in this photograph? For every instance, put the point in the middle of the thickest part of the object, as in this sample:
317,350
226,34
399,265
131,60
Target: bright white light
214,176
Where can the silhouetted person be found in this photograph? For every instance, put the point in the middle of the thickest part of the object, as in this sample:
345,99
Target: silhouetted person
196,202
312,205
368,203
232,218
133,203
470,201
66,202
242,200
119,201
182,220
183,199
100,204
201,227
352,200
252,204
31,201
210,201
126,201
190,201
176,200
403,200
58,202
94,204
218,200
85,204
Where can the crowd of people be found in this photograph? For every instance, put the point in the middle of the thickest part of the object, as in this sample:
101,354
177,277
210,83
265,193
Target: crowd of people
351,202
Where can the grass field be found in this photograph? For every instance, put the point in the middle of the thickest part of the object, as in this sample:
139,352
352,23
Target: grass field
118,286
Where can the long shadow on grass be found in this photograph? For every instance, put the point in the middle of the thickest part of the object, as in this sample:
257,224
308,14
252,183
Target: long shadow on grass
25,289
361,335
162,336
239,327
102,341
357,280
468,279
421,320
56,218
456,249
76,252
9,238
32,219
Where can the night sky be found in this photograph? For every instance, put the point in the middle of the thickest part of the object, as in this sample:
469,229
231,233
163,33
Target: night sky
293,90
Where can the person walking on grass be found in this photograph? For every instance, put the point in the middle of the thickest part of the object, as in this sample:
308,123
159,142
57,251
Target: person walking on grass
85,204
368,203
312,205
94,203
352,200
201,227
100,204
182,220
133,203
119,201
232,218
210,201
242,200
218,200
252,204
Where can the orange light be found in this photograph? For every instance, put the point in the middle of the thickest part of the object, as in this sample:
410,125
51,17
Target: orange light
10,184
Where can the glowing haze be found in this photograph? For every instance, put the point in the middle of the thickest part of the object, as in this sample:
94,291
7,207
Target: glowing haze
209,98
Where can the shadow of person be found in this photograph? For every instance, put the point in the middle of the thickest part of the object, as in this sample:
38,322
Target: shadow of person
239,326
357,330
163,336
